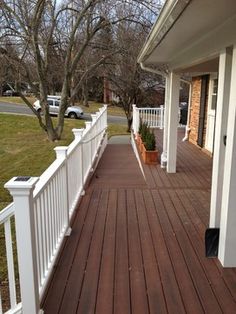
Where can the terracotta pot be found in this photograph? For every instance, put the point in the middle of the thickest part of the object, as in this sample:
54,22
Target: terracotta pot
138,139
150,157
141,147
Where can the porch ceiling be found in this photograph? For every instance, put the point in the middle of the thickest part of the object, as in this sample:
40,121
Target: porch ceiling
190,32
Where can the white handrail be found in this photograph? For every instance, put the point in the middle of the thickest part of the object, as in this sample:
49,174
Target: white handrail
46,205
153,117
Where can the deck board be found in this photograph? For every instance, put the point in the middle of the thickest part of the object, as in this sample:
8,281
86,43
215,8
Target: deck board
138,246
122,284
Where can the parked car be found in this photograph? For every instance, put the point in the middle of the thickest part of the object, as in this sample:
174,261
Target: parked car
10,92
73,112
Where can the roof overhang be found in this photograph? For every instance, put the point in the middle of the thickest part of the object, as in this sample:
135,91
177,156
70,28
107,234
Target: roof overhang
189,35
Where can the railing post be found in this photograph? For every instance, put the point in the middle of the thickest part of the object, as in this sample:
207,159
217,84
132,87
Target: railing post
135,119
78,133
21,188
161,117
93,134
61,154
88,125
98,130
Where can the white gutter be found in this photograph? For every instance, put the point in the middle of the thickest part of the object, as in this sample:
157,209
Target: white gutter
145,68
169,14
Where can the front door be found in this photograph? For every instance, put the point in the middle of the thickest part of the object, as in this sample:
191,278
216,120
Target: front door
211,114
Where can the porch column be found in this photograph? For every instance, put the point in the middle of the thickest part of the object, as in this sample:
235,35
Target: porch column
227,243
172,122
225,64
164,152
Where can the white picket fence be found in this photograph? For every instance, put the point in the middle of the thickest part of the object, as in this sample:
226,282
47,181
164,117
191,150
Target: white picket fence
42,209
153,117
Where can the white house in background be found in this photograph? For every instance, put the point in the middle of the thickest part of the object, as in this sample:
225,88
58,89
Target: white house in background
197,38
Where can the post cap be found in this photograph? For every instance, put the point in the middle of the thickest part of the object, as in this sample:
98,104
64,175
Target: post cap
21,183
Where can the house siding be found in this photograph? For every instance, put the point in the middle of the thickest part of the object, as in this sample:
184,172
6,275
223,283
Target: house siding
195,111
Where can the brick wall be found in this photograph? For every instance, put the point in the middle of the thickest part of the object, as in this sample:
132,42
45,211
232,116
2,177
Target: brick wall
195,110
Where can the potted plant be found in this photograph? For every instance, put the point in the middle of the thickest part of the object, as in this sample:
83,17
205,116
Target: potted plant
149,153
138,135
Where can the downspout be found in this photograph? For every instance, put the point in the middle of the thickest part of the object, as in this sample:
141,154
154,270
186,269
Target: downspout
187,128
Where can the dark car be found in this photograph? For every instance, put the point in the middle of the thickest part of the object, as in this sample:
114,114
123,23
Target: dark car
10,92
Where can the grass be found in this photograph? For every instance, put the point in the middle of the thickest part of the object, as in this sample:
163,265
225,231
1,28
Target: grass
93,106
26,151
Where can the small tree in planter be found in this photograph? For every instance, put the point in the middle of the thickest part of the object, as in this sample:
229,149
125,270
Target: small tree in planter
143,130
150,141
150,154
138,135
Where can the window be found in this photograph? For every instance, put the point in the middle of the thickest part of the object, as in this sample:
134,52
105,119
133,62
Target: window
214,94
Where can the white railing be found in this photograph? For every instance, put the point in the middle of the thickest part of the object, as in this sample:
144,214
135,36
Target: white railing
43,207
9,289
154,117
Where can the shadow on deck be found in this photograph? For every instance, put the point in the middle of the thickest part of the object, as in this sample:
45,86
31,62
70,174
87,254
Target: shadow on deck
138,247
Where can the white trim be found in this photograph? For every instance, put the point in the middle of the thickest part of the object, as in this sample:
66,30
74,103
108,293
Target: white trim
227,243
225,64
173,122
210,127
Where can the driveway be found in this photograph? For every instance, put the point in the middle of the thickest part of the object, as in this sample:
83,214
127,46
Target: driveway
24,110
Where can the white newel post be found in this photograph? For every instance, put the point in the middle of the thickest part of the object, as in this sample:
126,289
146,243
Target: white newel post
225,64
21,188
227,243
135,119
167,103
61,154
161,117
78,133
172,122
88,125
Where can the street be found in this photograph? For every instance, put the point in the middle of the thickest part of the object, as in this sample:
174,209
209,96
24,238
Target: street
24,110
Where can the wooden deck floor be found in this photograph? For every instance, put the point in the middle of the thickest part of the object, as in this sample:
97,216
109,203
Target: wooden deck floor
138,247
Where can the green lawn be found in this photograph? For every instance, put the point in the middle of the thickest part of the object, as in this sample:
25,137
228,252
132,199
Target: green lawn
93,106
25,149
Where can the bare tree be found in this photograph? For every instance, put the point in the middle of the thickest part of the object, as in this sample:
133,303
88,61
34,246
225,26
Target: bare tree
128,81
48,43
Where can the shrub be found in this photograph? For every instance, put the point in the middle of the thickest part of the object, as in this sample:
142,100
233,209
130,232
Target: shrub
140,126
147,136
144,131
150,142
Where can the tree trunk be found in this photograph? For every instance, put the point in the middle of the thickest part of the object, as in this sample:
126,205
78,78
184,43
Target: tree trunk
129,124
85,94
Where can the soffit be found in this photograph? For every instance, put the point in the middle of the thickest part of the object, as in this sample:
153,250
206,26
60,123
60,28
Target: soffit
203,28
